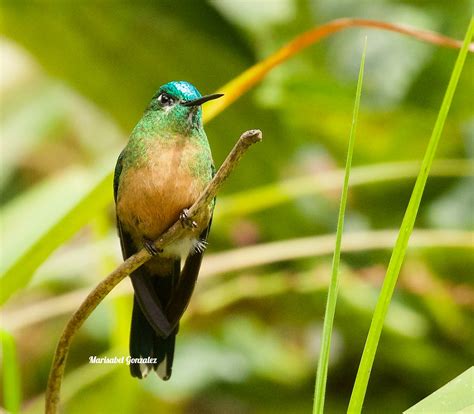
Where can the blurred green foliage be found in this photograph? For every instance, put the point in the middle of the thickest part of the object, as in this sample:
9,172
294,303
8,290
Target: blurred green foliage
75,78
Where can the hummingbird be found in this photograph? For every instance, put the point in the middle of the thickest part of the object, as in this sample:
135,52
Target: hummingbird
160,173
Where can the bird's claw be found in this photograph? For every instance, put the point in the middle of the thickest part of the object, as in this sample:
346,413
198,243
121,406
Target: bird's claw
150,247
186,221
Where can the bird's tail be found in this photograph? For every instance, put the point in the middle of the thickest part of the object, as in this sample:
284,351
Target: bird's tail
146,345
148,350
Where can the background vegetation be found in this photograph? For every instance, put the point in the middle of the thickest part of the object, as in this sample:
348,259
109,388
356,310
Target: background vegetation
76,78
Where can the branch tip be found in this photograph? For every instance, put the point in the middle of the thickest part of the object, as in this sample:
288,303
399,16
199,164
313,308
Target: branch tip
252,135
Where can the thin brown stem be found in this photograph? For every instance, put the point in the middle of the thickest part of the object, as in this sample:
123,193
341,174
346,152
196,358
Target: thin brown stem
104,287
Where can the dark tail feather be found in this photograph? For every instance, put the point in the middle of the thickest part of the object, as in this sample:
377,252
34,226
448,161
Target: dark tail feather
164,351
144,342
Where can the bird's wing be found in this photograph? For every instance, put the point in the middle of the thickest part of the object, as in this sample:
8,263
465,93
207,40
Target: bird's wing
188,277
126,242
142,282
187,281
125,239
117,173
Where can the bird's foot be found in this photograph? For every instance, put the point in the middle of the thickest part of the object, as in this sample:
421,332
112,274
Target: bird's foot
150,247
186,221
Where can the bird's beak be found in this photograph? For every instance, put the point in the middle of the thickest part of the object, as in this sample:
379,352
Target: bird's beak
200,101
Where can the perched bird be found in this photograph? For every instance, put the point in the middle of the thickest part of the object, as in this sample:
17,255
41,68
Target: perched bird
165,166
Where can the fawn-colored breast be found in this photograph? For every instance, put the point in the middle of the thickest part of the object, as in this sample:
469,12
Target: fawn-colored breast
152,195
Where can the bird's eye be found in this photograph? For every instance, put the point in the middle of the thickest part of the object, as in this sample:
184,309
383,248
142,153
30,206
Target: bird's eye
165,100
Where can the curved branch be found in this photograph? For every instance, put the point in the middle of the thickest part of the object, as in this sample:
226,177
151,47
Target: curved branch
133,262
246,80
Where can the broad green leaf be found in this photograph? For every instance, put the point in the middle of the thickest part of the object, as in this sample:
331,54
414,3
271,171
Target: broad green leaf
457,396
38,222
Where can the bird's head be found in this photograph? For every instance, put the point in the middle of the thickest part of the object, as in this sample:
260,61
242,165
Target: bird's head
180,103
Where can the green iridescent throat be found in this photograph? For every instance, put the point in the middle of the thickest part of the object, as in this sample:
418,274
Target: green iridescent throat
166,125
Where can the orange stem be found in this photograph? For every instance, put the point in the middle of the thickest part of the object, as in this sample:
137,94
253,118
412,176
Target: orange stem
242,83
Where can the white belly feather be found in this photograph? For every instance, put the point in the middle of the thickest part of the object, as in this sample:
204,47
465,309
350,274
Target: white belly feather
182,248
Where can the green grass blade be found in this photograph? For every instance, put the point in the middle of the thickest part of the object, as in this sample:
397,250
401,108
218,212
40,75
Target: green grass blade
322,371
398,254
11,373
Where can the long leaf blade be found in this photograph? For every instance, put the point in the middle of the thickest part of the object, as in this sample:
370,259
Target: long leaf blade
322,371
11,373
398,254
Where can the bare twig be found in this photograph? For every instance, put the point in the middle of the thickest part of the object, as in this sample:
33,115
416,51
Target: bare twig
103,288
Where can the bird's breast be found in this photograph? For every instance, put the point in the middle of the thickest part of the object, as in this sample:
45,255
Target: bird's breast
152,195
